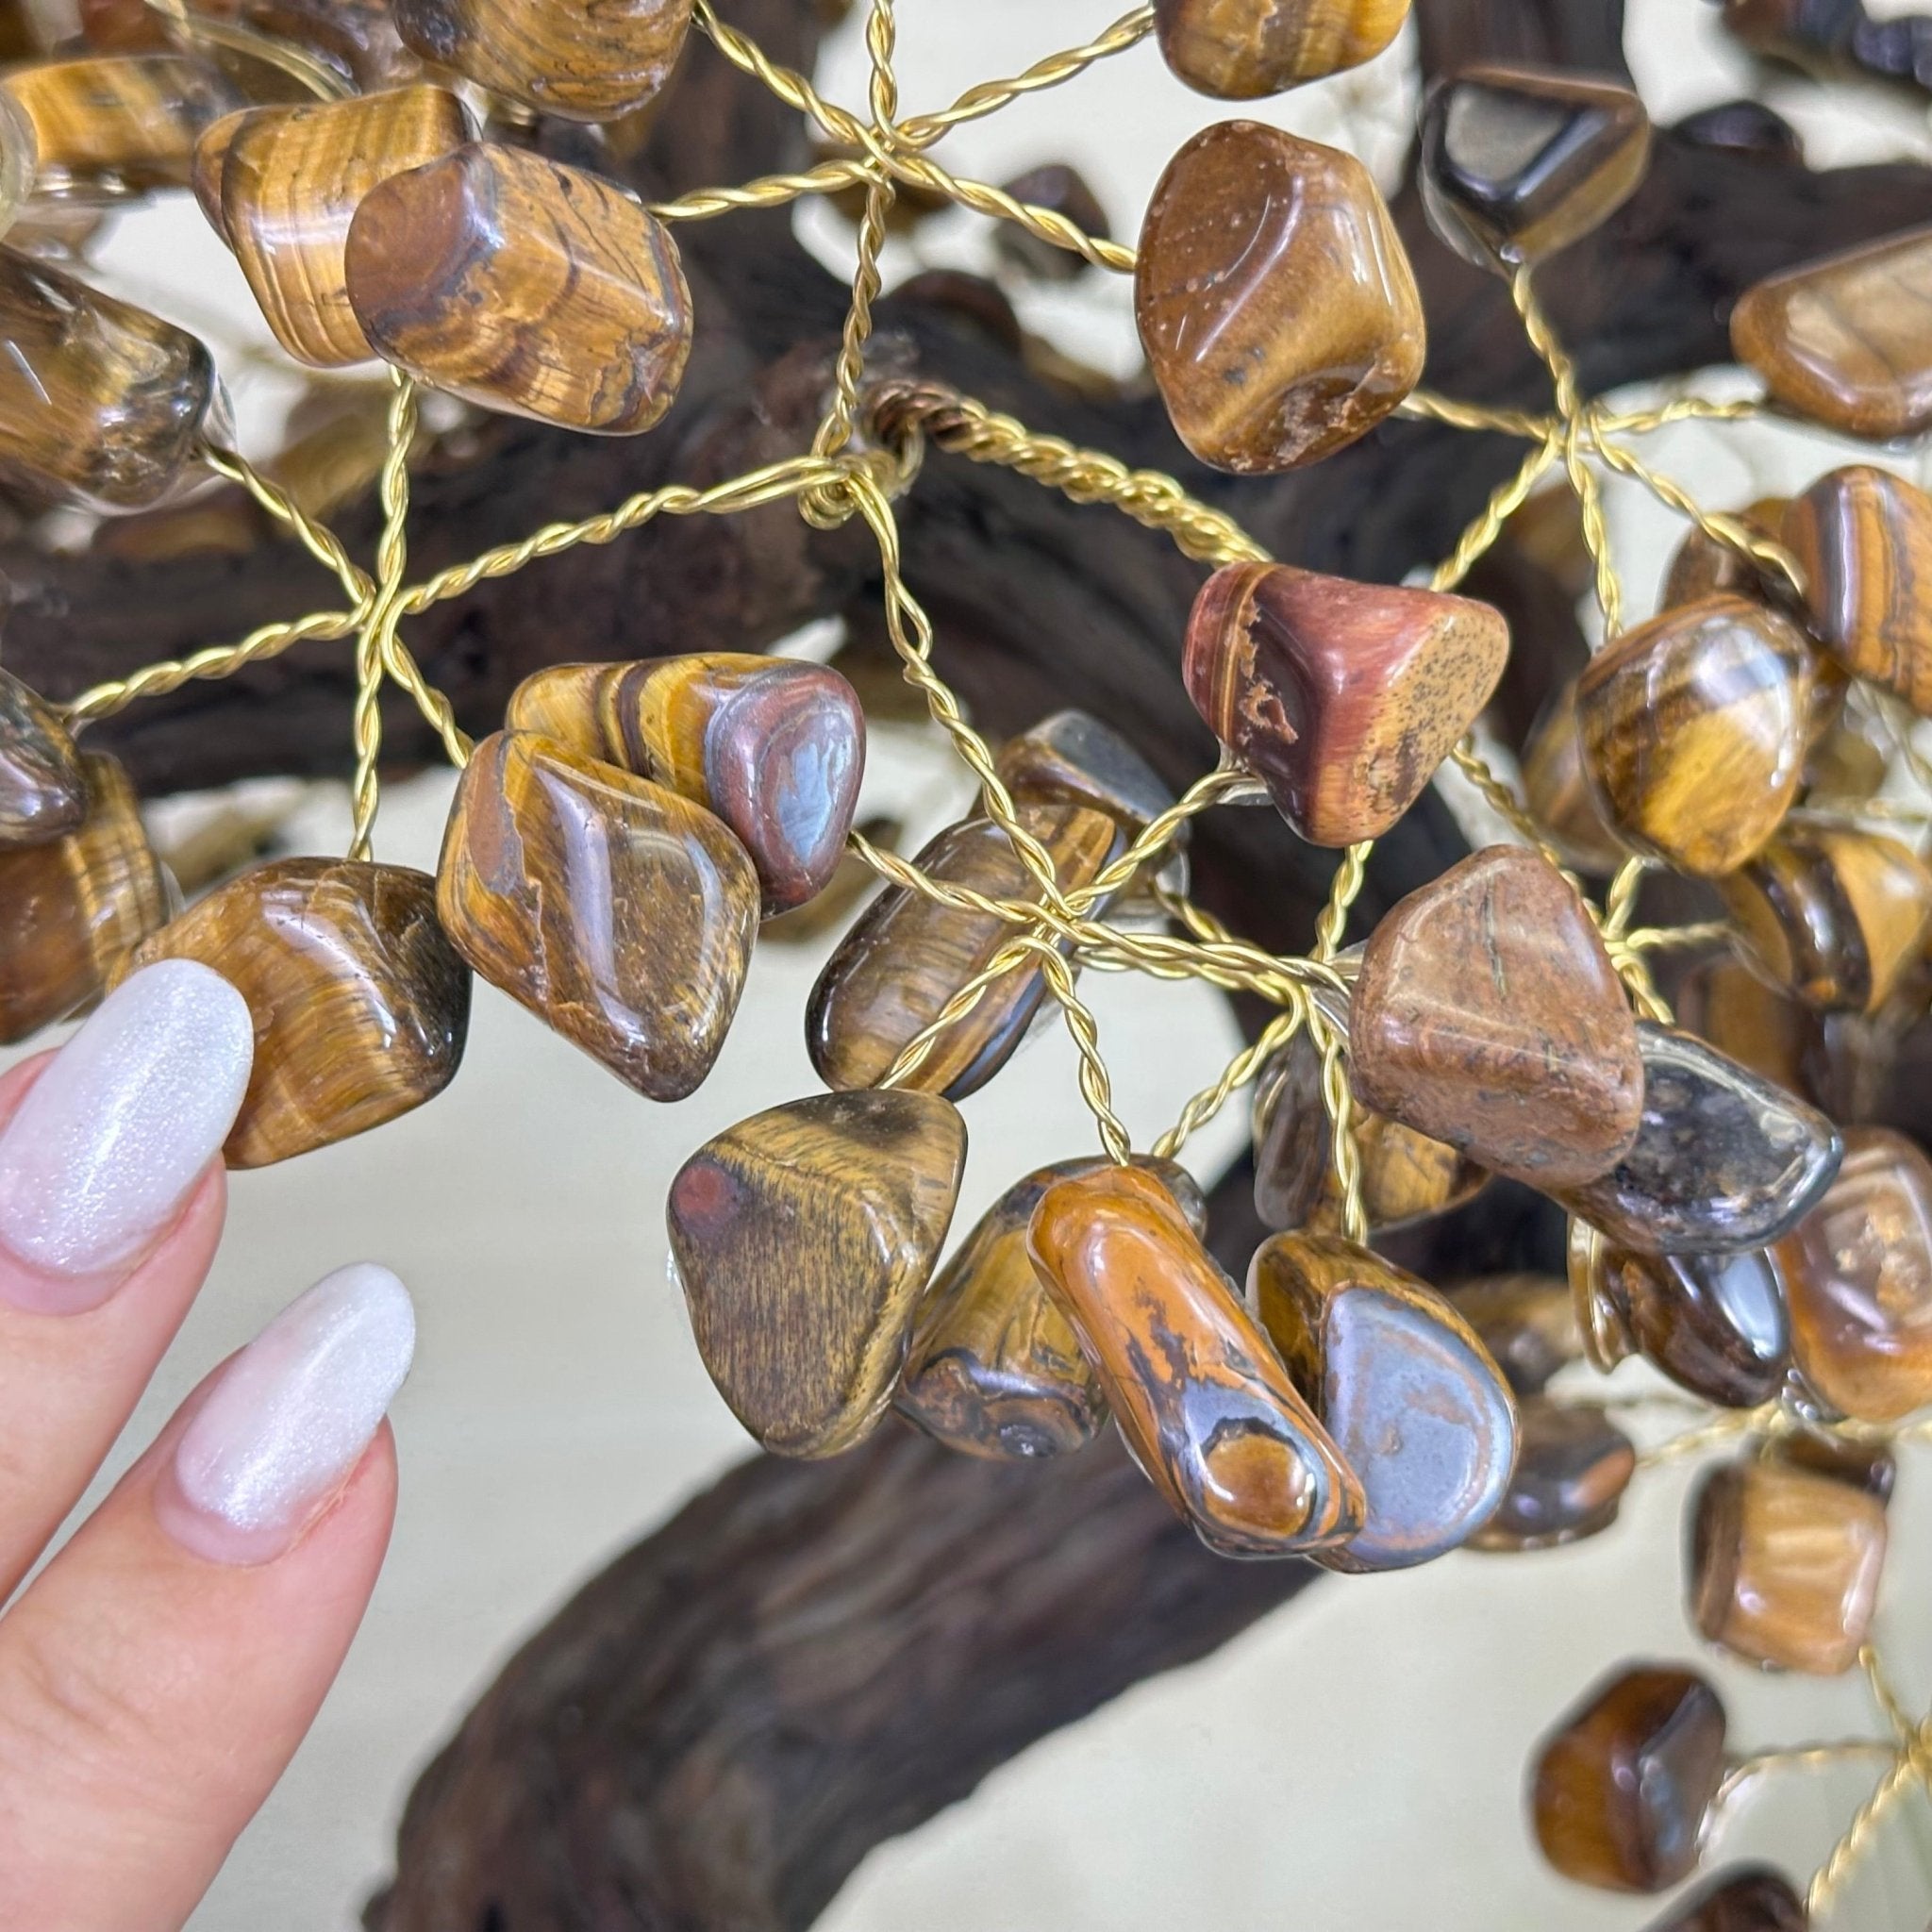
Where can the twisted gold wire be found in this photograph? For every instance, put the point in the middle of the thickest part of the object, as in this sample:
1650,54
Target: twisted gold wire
391,556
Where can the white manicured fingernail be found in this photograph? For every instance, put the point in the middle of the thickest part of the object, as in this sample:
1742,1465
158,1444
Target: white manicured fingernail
99,1157
290,1417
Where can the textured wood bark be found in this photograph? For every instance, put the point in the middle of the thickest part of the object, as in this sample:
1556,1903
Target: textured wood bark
815,1656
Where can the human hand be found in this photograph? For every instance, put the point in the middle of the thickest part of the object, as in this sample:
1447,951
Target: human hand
157,1674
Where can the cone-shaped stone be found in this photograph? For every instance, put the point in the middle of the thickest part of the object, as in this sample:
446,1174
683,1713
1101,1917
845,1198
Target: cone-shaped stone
1488,1014
1401,1382
1342,698
617,912
805,1237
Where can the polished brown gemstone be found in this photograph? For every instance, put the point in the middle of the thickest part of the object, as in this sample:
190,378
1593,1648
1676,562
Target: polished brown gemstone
1561,799
75,907
585,64
1723,1162
1202,1399
1836,914
1526,1321
1867,1466
1704,566
803,1237
1239,50
907,956
1863,539
1847,341
1518,162
523,285
360,1004
1742,1898
1064,191
1402,1384
1693,731
1621,1787
1714,1323
42,788
291,180
1486,1014
1342,698
1750,1021
1405,1176
131,121
99,401
617,912
1858,1276
19,159
773,745
1572,1465
1785,1565
1274,299
995,1367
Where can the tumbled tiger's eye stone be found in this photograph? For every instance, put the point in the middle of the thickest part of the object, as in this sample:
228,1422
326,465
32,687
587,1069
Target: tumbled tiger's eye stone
75,907
360,1004
1405,1176
1693,731
1750,1021
291,178
803,1237
1723,1162
1572,1465
1560,796
43,788
994,1367
99,401
19,159
1714,1323
1202,1399
1401,1383
774,747
1518,162
1835,913
1863,539
1706,566
1858,1276
1239,50
1342,698
1274,299
1622,1784
353,38
1746,1898
1486,1013
521,285
1785,1565
894,972
131,122
1063,189
618,913
1867,1466
583,63
1526,1321
1847,341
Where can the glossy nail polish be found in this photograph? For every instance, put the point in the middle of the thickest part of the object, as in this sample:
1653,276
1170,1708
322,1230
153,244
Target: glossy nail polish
112,1137
288,1418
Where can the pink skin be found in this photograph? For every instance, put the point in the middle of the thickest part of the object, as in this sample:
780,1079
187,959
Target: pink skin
157,1674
